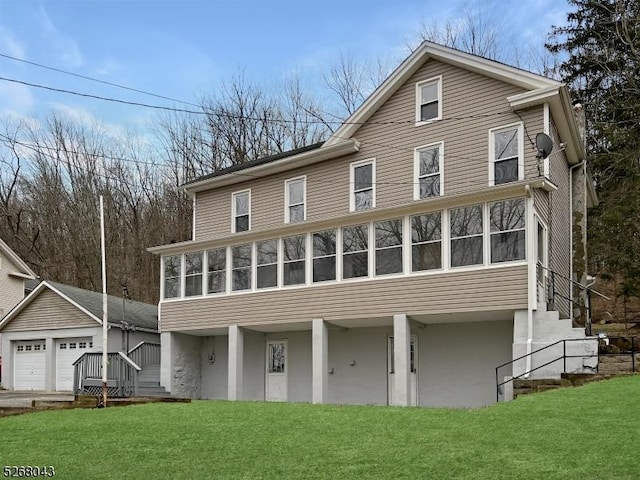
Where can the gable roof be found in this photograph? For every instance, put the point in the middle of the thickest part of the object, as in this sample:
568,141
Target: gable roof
540,90
142,315
23,269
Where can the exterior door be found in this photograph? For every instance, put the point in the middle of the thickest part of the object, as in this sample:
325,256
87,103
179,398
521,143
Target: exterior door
29,365
276,376
413,376
68,350
541,261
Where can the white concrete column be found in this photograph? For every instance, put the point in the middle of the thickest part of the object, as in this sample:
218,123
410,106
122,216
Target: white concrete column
236,354
402,361
50,364
320,349
166,359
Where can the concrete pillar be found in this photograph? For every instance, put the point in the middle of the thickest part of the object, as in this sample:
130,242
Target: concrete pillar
236,354
320,349
402,360
166,359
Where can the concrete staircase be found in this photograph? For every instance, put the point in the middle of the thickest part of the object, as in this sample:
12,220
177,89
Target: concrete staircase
526,386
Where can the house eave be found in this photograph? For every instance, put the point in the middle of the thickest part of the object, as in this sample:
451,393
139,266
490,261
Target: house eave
488,193
16,260
304,159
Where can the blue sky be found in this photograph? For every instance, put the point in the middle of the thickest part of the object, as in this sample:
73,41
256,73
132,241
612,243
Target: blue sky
181,49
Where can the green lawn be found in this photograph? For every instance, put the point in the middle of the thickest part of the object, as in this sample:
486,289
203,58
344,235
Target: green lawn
590,432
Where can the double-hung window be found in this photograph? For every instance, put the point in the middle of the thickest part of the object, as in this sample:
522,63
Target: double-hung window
465,225
428,171
506,155
388,235
242,211
355,251
193,274
507,220
293,263
362,182
426,242
295,193
241,261
217,270
324,256
267,264
429,100
172,274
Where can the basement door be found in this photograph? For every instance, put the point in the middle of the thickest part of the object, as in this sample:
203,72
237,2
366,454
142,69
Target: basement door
413,376
276,375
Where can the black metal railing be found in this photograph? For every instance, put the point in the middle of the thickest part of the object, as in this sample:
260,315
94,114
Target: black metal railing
563,358
122,375
145,354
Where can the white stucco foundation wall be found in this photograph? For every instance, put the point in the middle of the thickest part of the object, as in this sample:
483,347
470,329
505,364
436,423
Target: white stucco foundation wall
457,362
180,364
215,374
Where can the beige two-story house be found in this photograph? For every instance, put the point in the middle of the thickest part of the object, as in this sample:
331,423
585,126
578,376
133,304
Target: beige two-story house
399,262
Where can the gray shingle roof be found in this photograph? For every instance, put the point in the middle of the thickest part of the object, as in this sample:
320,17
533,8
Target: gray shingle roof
142,315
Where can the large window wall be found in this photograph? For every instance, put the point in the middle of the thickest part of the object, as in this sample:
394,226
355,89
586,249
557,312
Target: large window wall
472,236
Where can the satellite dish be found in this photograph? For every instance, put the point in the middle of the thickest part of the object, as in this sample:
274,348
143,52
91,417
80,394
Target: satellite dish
544,144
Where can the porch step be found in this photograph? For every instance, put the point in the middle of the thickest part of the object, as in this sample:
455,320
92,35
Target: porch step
150,373
151,389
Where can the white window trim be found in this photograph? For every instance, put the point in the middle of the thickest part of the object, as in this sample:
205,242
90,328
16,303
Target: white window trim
492,159
418,100
411,244
547,130
352,183
490,234
277,263
202,274
233,209
416,169
368,250
226,276
287,218
483,235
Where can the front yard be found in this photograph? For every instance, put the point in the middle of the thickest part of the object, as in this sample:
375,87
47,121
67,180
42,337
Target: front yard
589,432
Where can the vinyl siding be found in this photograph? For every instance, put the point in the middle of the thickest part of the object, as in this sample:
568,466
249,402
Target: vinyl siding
49,311
390,136
560,226
478,290
11,288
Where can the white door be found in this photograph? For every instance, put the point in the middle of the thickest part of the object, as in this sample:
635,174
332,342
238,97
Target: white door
541,260
68,350
29,362
276,381
413,376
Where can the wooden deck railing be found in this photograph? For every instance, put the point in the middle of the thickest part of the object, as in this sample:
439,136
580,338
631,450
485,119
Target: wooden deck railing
145,354
122,375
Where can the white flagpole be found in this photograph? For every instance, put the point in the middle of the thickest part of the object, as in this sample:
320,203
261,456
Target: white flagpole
105,318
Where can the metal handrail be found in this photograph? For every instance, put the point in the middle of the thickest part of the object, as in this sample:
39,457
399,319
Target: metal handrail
588,289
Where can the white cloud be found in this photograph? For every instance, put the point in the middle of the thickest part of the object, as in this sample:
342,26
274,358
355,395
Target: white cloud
65,47
15,98
10,44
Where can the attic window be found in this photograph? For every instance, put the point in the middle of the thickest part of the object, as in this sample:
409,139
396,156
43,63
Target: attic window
429,100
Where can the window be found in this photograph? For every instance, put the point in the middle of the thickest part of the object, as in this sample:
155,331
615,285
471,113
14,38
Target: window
193,274
428,100
27,348
90,345
72,345
293,249
172,269
295,199
466,236
241,211
507,155
63,346
82,345
217,269
507,220
36,347
388,236
426,242
44,346
428,171
267,270
241,267
355,251
363,179
21,348
324,256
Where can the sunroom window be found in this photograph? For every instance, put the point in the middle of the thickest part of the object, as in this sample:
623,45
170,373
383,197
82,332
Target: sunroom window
355,251
241,260
217,270
507,230
293,249
267,264
388,235
193,274
172,274
426,242
466,236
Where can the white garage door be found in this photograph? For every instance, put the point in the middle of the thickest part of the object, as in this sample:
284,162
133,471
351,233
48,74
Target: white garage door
68,350
29,365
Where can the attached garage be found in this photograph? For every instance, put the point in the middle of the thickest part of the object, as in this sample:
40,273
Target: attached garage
56,324
68,350
29,365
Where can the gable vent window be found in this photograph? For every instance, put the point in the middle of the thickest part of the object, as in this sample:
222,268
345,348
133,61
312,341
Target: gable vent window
428,100
242,211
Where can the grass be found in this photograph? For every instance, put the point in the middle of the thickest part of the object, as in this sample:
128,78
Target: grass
589,432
